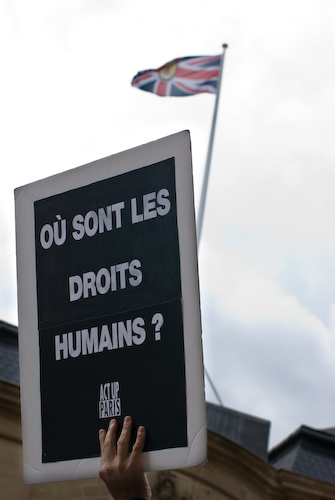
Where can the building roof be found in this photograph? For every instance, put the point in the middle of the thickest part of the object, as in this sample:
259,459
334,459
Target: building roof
249,432
308,452
9,354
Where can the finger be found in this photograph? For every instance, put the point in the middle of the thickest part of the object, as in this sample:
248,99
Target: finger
139,443
102,437
109,447
123,441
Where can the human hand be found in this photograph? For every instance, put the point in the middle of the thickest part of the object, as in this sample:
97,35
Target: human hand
121,471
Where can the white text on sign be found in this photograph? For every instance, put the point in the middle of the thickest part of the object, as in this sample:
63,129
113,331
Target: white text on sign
96,339
109,402
105,218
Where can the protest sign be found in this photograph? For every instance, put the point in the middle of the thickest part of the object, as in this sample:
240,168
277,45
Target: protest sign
109,321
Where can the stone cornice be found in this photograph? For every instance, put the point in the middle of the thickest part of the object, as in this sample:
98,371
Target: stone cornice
10,422
232,469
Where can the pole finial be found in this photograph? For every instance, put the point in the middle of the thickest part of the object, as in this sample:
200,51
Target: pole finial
225,46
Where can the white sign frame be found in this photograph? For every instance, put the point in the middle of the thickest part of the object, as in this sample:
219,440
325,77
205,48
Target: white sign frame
179,147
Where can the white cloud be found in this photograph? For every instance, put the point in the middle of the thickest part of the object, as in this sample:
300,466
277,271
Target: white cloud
268,355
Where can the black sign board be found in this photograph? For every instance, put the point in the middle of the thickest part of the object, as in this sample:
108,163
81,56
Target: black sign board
110,311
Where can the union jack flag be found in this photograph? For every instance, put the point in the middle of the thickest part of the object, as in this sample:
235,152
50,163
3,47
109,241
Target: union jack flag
181,77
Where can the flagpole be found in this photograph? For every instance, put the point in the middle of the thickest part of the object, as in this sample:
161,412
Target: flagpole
201,210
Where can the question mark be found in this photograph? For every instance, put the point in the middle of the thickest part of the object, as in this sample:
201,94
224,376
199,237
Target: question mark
158,321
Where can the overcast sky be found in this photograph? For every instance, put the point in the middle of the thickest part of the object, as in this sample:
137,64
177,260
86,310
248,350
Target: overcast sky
267,255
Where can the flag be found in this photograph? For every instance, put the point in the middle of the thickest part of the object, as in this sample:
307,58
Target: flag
181,77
